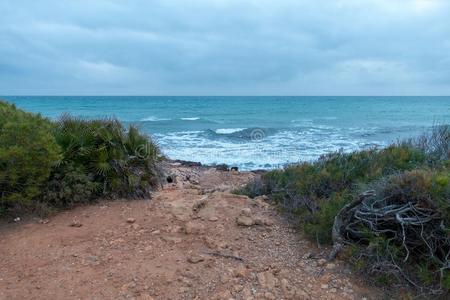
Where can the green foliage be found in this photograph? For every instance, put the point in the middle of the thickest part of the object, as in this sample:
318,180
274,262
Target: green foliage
317,191
122,162
59,164
28,152
69,185
415,172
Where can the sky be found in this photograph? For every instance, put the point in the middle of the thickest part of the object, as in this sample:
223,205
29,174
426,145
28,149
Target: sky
225,47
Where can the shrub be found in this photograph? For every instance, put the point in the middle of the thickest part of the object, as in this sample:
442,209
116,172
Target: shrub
28,152
317,191
403,229
122,163
411,244
69,185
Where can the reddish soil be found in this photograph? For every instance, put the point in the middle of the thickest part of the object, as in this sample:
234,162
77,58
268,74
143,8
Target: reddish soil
192,240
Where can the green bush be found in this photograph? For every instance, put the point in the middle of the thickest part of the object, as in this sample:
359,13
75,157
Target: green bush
46,164
410,231
122,163
69,185
317,191
414,174
28,152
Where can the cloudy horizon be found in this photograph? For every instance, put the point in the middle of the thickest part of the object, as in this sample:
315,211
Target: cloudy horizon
219,47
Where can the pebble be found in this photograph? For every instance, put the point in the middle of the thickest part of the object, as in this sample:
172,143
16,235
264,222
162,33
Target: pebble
75,224
131,220
194,259
245,221
246,212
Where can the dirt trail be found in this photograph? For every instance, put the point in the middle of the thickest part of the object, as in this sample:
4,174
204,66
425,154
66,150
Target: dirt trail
193,240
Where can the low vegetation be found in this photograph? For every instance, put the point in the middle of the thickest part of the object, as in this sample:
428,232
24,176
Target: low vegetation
46,164
399,229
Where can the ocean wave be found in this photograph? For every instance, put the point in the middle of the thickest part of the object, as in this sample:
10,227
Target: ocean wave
190,119
228,130
276,149
241,134
154,119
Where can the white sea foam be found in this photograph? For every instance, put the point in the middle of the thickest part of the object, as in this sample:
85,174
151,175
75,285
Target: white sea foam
274,151
153,119
190,119
228,130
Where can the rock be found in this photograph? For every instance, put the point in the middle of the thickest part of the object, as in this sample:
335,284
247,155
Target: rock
330,266
145,297
269,296
321,262
244,221
234,169
17,219
172,239
225,295
324,286
131,220
222,167
258,220
301,294
241,271
75,224
213,219
267,280
195,259
268,222
246,212
262,221
194,228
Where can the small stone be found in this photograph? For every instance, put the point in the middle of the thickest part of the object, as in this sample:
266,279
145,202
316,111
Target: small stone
268,222
75,224
241,271
172,239
324,286
244,221
194,228
246,212
213,219
195,259
331,266
269,296
321,262
131,220
17,219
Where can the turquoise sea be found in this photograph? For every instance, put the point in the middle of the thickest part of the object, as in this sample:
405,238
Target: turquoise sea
256,132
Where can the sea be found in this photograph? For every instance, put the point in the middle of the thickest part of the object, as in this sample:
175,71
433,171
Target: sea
256,132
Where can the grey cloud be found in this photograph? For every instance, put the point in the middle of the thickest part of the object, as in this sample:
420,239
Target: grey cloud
225,47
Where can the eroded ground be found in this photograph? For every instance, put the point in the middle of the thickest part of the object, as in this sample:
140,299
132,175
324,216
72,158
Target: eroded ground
192,240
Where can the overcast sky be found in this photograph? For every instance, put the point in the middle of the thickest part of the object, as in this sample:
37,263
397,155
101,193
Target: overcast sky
225,47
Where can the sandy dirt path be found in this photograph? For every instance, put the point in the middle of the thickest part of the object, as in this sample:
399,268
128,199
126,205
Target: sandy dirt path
192,240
